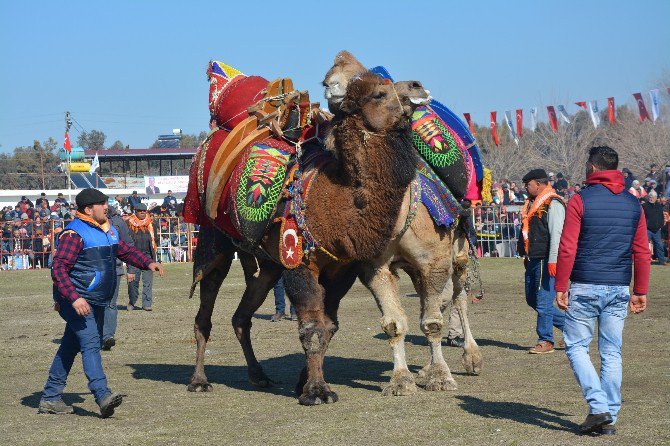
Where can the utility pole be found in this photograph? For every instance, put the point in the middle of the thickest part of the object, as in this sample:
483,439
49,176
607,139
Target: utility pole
68,123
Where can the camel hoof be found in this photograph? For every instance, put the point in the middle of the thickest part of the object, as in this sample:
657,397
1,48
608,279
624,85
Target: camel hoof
437,378
472,362
258,378
199,387
317,393
402,384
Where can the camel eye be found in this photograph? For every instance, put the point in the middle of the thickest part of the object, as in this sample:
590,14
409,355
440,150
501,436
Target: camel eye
379,95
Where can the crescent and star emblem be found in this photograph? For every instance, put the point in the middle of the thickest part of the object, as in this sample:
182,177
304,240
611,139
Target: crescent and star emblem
292,233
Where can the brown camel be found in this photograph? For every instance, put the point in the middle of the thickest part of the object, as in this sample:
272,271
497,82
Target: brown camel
436,260
351,212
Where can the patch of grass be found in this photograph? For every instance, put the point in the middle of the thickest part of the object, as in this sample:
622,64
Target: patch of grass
518,398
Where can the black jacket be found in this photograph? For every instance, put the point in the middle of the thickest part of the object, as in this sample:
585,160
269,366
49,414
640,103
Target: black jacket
654,215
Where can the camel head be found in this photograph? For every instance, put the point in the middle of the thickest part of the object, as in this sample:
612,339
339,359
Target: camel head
375,100
346,66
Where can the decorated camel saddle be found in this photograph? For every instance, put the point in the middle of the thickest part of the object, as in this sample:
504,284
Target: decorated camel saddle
240,174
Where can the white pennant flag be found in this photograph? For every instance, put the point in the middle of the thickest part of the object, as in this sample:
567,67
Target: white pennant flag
533,118
95,164
563,114
593,112
510,125
655,109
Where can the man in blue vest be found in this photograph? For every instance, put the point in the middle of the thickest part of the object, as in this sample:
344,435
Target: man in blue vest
604,228
84,275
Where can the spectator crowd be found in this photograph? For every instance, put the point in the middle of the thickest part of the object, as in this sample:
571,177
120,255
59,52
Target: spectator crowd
29,229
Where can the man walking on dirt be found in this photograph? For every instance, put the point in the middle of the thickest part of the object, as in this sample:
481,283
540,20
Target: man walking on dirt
84,275
604,228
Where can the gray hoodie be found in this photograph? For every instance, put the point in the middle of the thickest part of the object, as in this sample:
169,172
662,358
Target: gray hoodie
124,234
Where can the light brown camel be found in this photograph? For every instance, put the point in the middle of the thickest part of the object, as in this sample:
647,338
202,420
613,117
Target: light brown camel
351,212
436,260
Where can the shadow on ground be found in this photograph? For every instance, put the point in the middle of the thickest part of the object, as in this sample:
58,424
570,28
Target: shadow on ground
284,371
421,340
519,412
33,400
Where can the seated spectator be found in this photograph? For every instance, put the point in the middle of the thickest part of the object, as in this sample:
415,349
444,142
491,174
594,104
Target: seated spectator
23,203
60,199
40,200
44,210
16,213
637,190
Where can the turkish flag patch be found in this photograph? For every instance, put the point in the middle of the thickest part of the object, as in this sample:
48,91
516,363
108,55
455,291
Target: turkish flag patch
290,244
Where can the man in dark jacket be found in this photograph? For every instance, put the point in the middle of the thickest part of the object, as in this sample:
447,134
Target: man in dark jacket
143,235
653,213
542,218
604,228
111,312
84,275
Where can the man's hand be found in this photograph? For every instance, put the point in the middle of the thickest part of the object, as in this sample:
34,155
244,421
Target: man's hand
562,300
81,307
155,266
130,277
638,303
56,306
525,261
552,269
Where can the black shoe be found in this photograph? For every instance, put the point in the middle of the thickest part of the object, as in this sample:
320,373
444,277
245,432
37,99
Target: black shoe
108,344
57,407
455,342
109,403
608,429
593,422
278,316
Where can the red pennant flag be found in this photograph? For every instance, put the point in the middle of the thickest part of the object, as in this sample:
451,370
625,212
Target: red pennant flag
582,104
640,105
519,122
610,110
66,144
552,118
468,119
494,128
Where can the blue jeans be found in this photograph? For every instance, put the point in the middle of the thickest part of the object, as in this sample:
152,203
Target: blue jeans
82,334
111,313
280,304
609,306
540,296
659,249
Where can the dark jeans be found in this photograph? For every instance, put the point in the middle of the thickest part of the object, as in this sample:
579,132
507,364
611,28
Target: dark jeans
111,312
134,286
280,303
82,334
659,249
540,294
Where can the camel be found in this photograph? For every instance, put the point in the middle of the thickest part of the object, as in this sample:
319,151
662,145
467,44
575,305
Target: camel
351,211
436,260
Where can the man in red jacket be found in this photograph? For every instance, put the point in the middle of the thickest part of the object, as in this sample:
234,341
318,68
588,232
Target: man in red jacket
604,228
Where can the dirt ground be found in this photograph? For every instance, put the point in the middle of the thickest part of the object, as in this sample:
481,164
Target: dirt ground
517,399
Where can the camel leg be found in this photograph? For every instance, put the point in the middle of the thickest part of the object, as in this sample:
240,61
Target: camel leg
383,285
315,329
253,297
430,285
472,355
209,288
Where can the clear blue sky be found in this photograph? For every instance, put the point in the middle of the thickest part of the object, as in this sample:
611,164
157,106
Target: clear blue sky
136,69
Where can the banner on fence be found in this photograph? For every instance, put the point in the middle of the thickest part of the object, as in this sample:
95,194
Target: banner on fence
160,185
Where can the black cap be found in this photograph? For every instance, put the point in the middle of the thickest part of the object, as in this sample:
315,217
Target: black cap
134,192
535,174
141,207
43,194
88,197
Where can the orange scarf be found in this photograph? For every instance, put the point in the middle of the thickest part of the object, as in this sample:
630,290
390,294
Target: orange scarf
529,210
145,225
83,217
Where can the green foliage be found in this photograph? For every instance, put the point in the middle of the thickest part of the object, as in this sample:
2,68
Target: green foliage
93,140
32,167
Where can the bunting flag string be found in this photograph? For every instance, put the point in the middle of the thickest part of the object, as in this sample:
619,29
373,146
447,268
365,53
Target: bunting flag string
519,122
510,125
563,113
611,111
494,128
655,109
552,118
593,112
640,105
